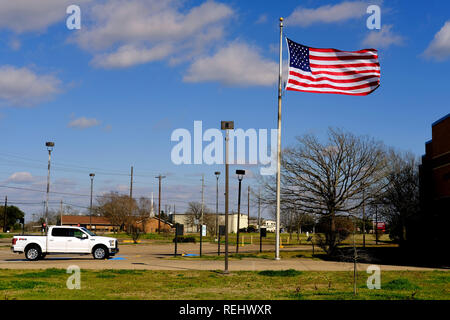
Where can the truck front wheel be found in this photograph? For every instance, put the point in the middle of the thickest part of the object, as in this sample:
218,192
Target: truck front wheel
100,253
32,253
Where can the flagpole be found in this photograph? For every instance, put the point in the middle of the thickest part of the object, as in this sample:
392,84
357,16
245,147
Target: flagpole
277,230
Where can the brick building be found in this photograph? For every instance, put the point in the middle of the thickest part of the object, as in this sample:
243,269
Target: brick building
435,181
101,224
98,223
151,224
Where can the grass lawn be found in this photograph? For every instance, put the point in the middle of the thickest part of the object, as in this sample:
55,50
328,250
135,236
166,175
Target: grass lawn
265,285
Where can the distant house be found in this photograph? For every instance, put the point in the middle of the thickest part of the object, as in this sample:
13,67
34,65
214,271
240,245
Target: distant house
270,225
186,220
151,225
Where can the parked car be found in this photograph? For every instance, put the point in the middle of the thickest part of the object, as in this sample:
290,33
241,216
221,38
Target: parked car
65,239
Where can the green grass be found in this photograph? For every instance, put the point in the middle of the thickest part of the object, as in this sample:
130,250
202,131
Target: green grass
263,285
280,273
401,284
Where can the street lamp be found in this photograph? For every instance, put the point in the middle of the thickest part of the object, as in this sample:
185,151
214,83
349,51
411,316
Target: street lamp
217,173
240,174
92,175
226,125
50,145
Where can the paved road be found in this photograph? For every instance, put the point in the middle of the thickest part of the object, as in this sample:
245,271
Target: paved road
158,257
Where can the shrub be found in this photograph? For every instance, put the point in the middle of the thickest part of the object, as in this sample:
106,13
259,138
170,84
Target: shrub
185,239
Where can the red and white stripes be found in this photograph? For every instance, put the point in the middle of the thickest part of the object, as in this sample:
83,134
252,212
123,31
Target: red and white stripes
338,72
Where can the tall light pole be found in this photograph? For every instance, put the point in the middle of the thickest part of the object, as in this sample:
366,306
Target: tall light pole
202,209
259,209
226,125
92,175
217,173
50,145
160,177
240,174
248,207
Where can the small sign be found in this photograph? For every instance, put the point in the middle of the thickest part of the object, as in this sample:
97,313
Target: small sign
222,230
204,230
179,229
263,232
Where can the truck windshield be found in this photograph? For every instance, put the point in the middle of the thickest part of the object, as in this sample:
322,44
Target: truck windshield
88,232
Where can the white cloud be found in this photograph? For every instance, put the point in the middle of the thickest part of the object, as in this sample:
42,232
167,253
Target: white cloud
15,44
83,123
383,38
236,64
33,15
21,177
129,55
439,47
156,30
23,87
327,14
261,19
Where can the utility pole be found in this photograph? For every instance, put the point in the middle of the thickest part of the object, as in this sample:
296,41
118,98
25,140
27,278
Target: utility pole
201,219
131,184
160,177
5,214
217,173
50,146
248,207
60,212
259,209
92,175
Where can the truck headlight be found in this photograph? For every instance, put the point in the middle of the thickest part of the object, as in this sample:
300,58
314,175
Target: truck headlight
112,243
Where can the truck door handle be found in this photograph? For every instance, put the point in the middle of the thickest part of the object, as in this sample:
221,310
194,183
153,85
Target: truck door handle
50,240
69,240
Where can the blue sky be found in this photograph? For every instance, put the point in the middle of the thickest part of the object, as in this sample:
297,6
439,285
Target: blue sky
111,94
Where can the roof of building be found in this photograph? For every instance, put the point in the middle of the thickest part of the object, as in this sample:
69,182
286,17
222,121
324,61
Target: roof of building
85,220
441,119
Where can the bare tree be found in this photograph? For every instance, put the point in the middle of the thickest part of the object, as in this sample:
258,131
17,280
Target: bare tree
400,200
118,209
210,221
194,214
143,211
329,179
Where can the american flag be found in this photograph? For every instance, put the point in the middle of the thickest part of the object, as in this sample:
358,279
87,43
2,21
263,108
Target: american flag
332,71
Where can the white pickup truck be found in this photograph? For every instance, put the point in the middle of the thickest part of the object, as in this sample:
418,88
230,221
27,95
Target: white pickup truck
62,239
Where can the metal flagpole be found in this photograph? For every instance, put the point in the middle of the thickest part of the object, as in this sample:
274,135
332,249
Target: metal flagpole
277,236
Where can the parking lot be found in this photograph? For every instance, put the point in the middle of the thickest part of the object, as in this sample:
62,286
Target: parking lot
153,256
